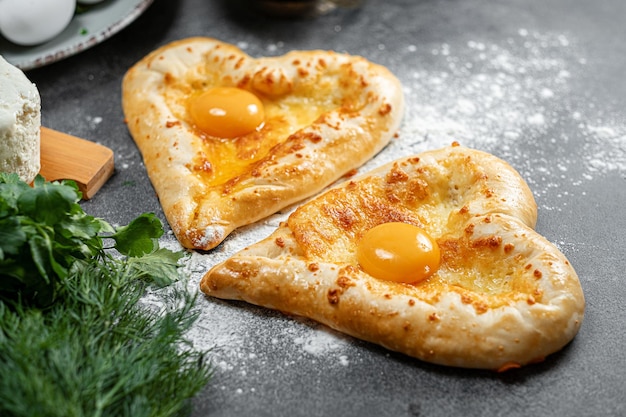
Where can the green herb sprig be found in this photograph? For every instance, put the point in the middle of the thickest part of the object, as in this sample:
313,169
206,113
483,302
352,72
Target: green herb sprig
45,235
75,339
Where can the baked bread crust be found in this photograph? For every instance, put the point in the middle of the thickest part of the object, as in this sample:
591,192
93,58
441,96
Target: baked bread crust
327,114
503,297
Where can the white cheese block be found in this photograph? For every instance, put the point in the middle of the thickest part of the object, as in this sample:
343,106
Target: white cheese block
20,123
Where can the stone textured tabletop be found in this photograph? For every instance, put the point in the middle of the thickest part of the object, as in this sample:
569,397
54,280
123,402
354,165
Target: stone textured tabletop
538,83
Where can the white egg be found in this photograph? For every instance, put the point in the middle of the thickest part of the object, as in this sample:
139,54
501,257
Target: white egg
31,22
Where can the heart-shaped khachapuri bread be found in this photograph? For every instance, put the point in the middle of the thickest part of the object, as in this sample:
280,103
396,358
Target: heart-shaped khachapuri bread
434,256
228,139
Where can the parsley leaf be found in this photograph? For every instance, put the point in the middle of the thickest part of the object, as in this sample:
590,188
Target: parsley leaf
139,237
160,266
45,232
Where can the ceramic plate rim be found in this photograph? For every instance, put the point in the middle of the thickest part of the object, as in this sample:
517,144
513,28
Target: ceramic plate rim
100,23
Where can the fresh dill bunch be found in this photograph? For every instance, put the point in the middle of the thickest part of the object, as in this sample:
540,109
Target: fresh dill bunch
98,352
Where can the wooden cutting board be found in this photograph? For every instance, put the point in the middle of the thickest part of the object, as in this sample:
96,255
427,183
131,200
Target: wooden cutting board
66,157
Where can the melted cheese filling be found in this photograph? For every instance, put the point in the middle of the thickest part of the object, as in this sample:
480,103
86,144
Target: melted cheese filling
485,271
220,160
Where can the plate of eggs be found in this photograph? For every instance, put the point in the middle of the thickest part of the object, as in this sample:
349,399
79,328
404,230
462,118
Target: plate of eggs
34,33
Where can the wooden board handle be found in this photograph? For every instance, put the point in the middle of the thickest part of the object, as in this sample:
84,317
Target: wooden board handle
66,157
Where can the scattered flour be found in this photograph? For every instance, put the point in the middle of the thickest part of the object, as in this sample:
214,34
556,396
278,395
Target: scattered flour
512,99
320,341
94,121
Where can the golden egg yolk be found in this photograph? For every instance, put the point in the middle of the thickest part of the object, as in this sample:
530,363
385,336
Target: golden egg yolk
226,112
398,252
